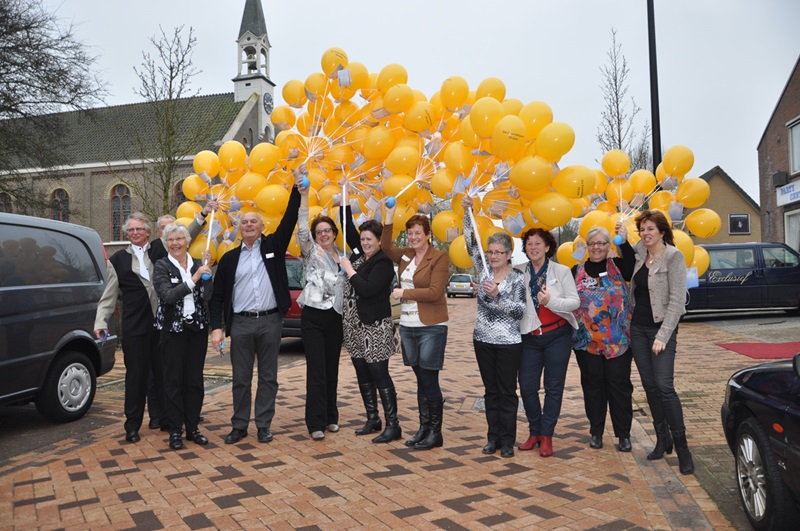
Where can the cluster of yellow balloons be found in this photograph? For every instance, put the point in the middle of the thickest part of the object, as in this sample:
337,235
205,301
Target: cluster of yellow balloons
619,197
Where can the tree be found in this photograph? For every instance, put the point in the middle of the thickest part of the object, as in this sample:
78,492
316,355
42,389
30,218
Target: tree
618,119
44,70
165,84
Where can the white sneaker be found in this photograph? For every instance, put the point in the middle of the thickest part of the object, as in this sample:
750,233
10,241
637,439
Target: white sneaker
333,428
317,435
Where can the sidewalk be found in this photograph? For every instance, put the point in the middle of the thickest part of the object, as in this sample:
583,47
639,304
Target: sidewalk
98,480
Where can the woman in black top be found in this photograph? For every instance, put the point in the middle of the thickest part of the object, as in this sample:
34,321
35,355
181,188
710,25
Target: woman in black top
368,328
602,340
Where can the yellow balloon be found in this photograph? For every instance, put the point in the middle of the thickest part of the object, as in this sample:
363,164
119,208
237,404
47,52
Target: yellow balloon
232,155
249,185
294,93
661,200
459,255
508,137
454,92
606,206
596,218
326,194
512,106
491,87
398,183
619,190
616,163
398,98
333,60
574,181
321,109
272,199
642,182
678,160
192,186
402,159
391,75
496,203
283,118
531,173
554,141
693,192
442,183
184,221
188,209
316,85
484,115
359,75
600,182
446,225
206,162
467,134
535,115
491,231
458,158
378,143
552,209
685,245
703,222
564,254
701,260
419,117
264,157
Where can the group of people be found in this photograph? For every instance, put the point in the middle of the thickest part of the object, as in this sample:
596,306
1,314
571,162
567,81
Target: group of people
611,310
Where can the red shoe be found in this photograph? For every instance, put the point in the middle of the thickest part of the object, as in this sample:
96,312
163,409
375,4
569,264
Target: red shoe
546,446
530,444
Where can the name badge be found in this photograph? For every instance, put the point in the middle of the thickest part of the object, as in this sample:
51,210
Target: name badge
174,280
553,281
269,255
406,259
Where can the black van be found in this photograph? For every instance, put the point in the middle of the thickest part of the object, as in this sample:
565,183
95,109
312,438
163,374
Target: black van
51,276
748,276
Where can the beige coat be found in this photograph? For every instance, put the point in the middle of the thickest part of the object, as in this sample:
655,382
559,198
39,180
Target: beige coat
667,284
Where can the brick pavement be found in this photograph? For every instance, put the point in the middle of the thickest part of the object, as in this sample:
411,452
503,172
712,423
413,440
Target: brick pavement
98,481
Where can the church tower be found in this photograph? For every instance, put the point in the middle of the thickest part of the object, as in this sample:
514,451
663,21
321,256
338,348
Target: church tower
253,66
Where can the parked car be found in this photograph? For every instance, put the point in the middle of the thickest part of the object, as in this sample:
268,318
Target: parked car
761,420
297,280
748,276
51,276
461,284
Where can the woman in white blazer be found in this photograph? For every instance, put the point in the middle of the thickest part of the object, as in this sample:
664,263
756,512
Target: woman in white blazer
546,328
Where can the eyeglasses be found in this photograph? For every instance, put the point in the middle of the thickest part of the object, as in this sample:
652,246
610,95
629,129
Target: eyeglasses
323,231
496,253
137,229
597,244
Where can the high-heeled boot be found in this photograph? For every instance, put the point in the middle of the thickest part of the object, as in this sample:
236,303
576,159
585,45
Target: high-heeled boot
392,431
369,395
663,442
434,438
424,421
545,445
685,463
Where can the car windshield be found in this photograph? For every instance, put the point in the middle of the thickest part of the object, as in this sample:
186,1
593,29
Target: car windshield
297,277
460,278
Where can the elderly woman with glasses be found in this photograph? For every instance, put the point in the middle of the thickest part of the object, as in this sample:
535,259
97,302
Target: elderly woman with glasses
602,340
496,338
182,319
321,318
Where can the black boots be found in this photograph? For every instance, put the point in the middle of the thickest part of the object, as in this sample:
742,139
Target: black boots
685,463
663,442
424,421
371,405
434,437
392,431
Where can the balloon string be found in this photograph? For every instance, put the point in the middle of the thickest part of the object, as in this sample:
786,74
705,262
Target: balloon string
478,239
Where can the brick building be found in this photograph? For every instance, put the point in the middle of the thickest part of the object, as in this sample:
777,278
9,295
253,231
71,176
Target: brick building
741,217
779,167
90,188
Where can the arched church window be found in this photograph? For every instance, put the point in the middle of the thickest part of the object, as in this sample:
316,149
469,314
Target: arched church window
120,210
59,205
5,203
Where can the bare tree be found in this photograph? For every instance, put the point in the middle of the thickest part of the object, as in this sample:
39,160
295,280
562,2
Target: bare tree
617,128
165,84
44,70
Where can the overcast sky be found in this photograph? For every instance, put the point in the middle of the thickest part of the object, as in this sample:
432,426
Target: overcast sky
722,64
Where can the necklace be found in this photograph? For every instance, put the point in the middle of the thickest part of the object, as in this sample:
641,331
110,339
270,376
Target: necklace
653,259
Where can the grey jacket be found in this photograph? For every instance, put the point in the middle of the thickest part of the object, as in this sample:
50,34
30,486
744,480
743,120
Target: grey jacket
667,282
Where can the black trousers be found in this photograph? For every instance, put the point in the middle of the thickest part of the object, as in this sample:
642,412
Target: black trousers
183,355
499,366
607,384
658,375
139,353
322,342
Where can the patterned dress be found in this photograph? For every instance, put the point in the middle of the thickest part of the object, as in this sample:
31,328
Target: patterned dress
372,342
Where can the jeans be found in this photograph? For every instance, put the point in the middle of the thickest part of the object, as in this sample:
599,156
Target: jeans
657,374
548,353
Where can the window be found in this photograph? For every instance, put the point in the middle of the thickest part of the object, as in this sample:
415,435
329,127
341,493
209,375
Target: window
59,205
5,203
779,257
120,210
794,147
177,194
731,258
738,223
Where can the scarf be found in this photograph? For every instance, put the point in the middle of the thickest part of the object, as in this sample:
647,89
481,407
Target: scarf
537,281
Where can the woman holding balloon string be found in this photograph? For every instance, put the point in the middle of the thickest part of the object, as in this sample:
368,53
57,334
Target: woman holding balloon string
423,272
546,328
602,340
496,338
321,319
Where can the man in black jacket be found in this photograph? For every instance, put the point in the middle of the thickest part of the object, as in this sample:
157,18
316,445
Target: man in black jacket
251,296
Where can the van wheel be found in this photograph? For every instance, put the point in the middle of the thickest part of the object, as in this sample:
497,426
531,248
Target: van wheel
69,388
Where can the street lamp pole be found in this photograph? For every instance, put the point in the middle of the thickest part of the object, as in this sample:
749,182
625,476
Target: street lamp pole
654,112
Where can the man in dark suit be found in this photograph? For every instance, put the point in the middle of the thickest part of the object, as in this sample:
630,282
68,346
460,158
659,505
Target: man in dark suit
251,296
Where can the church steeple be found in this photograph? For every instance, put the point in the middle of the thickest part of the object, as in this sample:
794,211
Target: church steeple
253,64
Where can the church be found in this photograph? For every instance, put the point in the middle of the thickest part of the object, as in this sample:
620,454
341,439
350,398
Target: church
92,189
